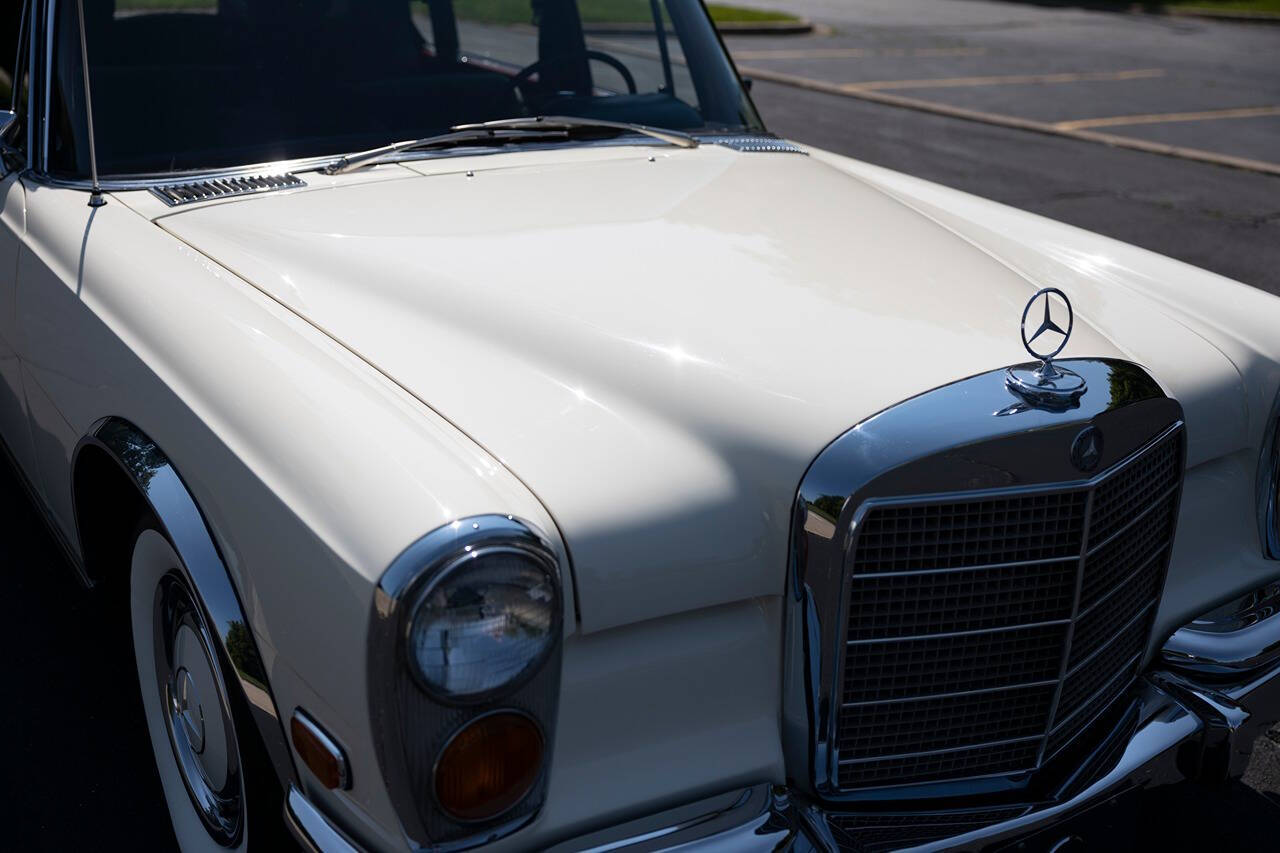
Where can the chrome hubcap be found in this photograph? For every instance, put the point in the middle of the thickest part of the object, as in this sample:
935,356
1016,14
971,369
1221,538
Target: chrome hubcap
188,709
196,712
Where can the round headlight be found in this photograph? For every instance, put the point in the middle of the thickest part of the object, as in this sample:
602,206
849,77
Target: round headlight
484,623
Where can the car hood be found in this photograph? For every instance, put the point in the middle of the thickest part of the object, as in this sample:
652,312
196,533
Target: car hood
658,344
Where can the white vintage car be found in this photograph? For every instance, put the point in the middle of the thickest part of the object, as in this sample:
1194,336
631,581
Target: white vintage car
596,470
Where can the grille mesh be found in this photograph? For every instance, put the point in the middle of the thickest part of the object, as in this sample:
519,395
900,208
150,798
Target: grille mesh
972,533
881,671
965,600
950,723
979,761
871,833
960,612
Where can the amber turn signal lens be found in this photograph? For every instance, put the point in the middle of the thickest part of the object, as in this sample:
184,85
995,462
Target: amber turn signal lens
488,766
319,752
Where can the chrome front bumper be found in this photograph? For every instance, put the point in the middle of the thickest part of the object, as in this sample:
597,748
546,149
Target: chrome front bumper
1213,691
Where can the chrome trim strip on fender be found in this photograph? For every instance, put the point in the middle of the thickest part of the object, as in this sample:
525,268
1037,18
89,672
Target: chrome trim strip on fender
171,503
312,829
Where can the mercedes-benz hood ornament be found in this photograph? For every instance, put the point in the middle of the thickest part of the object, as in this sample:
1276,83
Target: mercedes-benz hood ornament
1046,385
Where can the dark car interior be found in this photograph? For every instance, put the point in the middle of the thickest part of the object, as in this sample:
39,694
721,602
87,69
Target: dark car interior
261,80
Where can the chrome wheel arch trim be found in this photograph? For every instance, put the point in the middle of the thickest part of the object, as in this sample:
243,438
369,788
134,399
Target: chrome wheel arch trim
164,494
882,450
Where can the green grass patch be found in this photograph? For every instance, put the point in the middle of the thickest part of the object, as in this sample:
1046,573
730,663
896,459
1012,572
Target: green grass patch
520,11
734,15
599,12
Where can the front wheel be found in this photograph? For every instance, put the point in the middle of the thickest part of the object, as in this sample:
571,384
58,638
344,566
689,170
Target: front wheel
186,702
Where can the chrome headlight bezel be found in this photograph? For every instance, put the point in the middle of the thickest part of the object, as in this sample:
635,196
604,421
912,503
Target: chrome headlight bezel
413,723
1269,485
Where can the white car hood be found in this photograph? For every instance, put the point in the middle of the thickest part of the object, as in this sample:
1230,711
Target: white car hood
657,348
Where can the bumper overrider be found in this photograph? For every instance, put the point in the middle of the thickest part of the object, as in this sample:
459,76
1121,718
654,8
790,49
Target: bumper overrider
1194,715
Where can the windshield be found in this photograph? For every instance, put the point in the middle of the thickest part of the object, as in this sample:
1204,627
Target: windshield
181,85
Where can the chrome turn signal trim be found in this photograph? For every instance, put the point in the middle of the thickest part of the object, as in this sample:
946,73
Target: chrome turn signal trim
319,752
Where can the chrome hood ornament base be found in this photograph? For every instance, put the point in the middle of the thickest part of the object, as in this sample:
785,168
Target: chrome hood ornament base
1046,385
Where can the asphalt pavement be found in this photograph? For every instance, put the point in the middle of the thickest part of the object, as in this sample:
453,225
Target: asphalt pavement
1209,87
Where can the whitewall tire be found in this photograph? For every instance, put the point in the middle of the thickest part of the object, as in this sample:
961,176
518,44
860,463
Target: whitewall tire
186,702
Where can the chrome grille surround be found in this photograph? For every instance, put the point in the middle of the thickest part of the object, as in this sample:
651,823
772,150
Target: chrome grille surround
981,722
964,603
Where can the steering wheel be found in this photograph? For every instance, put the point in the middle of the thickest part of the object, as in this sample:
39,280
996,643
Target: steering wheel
523,75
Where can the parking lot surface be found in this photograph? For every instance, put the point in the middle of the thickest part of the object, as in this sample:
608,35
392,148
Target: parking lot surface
1208,85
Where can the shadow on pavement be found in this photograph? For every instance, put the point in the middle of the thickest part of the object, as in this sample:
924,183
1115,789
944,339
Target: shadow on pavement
78,770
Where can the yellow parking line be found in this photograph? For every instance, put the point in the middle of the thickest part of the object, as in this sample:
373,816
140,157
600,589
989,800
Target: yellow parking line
1161,118
858,52
1006,80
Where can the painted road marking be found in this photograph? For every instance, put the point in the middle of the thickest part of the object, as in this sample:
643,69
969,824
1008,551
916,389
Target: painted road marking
858,53
1111,139
894,100
1163,118
1009,80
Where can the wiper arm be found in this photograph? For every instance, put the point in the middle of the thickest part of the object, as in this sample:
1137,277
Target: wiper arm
460,135
569,123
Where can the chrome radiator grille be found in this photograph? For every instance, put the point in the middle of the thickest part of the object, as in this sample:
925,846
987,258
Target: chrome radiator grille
985,634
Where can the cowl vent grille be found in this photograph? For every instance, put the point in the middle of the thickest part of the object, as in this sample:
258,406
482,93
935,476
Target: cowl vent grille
194,191
758,144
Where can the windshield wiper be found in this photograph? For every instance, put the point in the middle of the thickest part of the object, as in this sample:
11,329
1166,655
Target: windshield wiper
458,136
571,123
505,131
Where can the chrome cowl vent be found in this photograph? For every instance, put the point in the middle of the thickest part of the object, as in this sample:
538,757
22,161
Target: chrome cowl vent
972,593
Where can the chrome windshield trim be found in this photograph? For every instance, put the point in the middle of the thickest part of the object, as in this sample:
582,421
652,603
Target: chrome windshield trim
50,25
315,164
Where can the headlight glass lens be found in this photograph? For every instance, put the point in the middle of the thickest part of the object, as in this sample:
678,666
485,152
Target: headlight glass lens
484,624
